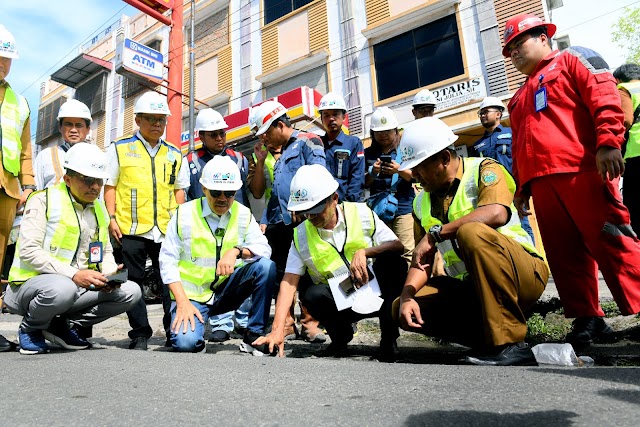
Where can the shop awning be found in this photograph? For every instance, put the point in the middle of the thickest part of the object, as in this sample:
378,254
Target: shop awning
79,69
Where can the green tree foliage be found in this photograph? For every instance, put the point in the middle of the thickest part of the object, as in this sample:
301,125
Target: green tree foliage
626,33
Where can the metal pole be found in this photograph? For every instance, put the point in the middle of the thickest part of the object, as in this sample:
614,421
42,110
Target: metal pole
174,93
192,64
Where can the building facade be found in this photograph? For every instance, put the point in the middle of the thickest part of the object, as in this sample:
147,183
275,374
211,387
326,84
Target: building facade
375,52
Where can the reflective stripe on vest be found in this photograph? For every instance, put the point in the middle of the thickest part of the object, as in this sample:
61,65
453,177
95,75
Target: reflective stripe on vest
199,258
464,202
145,191
14,112
57,164
270,164
322,259
62,234
633,145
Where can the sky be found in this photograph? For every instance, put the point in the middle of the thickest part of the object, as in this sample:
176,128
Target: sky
49,33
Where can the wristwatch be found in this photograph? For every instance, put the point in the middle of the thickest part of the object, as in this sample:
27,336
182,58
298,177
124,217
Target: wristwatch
240,248
29,187
435,233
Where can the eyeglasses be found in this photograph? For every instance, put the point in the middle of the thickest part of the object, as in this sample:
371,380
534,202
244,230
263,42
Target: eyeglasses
486,112
89,180
516,45
217,193
153,120
214,133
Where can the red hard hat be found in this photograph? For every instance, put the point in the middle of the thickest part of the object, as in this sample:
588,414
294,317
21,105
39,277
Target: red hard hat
520,24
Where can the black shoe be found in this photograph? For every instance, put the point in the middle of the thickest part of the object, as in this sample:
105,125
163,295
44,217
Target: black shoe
138,343
518,354
6,345
588,329
67,338
219,336
334,350
247,346
387,353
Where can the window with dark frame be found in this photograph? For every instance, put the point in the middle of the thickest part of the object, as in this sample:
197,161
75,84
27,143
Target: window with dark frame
275,9
93,93
417,58
47,120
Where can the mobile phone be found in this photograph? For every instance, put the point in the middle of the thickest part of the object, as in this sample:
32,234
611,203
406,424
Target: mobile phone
118,277
347,286
385,158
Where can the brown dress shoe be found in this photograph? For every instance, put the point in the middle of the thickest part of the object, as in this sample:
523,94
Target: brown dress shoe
310,330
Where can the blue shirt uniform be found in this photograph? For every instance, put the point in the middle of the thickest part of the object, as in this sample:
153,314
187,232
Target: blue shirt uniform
301,149
496,145
197,159
345,161
382,183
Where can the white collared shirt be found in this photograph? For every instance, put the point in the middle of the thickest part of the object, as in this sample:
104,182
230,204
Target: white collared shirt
172,246
337,237
113,168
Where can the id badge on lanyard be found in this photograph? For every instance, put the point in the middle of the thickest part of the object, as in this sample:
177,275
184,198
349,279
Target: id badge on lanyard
95,252
540,98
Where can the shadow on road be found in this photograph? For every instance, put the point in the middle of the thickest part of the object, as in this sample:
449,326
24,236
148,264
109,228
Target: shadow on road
475,418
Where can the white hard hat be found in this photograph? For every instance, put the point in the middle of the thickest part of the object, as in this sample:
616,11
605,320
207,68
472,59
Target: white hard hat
152,103
7,44
309,187
261,117
492,101
422,139
221,173
210,119
74,108
87,159
383,119
424,97
332,101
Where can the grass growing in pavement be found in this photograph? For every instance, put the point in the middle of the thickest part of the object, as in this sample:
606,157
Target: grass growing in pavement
552,327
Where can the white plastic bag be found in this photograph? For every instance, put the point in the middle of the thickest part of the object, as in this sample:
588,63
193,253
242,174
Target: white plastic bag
559,354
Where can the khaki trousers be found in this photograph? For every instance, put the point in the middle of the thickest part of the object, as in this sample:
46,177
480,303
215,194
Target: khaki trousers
487,309
7,215
402,226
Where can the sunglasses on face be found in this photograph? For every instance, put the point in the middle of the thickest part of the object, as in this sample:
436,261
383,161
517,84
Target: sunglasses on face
214,133
486,112
89,180
153,120
217,193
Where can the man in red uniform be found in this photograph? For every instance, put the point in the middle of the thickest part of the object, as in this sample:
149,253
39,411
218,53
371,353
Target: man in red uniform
567,133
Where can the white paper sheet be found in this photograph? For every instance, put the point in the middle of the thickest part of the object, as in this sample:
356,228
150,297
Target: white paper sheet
364,300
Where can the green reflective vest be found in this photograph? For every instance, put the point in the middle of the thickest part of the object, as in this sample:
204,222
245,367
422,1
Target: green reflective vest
14,113
202,247
62,234
464,202
270,164
322,259
633,145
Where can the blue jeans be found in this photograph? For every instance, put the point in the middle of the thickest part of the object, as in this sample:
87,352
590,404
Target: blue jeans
224,322
255,280
524,221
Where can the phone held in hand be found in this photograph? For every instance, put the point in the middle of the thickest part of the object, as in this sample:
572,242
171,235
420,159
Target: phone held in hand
385,158
117,278
347,286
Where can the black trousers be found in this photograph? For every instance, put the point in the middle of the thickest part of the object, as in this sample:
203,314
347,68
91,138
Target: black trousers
390,270
279,237
135,251
631,191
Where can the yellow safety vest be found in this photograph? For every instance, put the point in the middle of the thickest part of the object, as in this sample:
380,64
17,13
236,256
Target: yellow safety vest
322,259
202,247
464,202
633,145
63,232
270,163
14,113
145,190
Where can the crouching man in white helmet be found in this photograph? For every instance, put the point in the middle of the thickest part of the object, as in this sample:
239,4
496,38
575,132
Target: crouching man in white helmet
337,239
59,277
74,119
494,272
213,258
